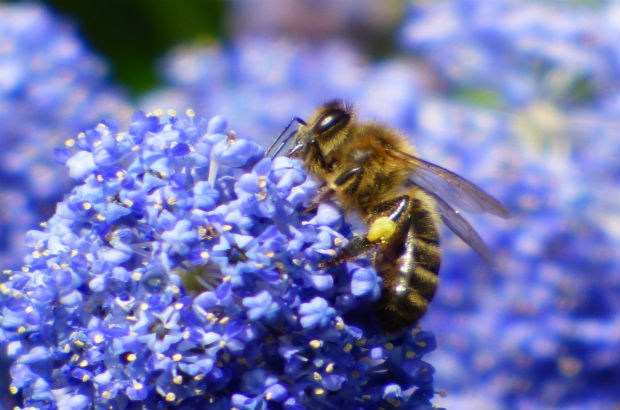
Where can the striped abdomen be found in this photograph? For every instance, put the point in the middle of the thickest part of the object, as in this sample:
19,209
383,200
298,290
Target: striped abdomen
408,263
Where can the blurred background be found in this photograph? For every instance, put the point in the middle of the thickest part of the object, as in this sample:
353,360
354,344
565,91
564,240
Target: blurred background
521,97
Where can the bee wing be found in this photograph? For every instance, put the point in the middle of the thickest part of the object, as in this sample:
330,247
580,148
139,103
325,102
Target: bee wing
450,187
462,229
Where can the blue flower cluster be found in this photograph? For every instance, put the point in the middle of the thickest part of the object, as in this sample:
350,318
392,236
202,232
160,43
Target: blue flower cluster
51,87
542,329
181,273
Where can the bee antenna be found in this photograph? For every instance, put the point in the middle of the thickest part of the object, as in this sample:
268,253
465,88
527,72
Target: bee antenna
286,140
348,106
275,141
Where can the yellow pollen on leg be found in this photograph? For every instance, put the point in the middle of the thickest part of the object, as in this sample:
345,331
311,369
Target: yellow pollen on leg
381,229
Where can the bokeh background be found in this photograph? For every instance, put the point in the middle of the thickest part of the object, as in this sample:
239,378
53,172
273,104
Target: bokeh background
522,97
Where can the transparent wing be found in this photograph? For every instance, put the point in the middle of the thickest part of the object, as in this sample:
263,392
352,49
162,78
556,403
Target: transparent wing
450,187
462,229
447,188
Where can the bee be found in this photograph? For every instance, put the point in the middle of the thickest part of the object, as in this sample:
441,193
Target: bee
371,170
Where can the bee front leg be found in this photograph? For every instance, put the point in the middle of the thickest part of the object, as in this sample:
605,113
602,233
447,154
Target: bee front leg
351,178
325,194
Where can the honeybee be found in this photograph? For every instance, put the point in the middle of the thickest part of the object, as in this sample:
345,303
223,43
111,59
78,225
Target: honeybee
372,170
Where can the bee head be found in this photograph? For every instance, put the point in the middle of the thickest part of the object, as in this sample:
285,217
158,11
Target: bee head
323,130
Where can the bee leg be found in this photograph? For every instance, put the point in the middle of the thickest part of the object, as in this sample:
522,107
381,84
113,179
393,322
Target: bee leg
356,247
363,244
325,194
318,154
397,206
351,178
388,218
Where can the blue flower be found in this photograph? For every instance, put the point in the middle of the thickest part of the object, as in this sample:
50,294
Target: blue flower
51,88
260,305
163,297
365,282
315,313
551,136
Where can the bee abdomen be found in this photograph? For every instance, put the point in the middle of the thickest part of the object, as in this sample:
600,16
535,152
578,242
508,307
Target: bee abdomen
424,282
410,281
424,235
399,309
427,257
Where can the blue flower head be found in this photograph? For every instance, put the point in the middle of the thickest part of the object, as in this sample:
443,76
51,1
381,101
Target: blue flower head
51,86
181,273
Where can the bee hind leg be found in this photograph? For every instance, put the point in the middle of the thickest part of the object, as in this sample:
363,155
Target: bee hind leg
356,247
388,218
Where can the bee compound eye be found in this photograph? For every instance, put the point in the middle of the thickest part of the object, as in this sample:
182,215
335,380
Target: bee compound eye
326,122
332,120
